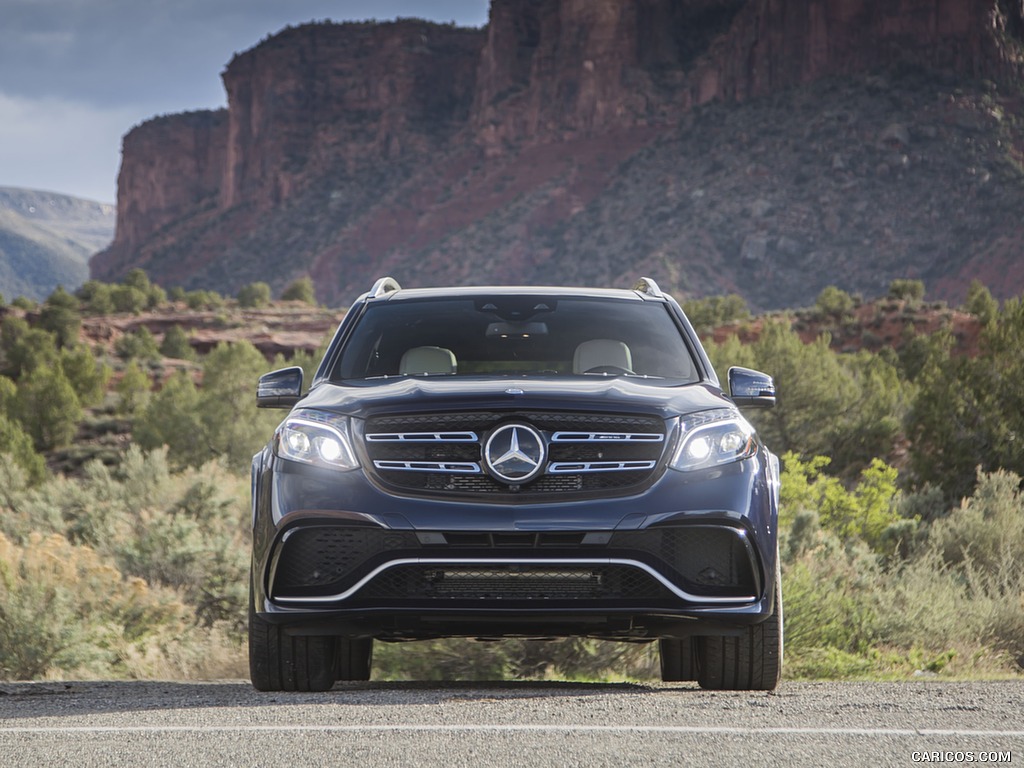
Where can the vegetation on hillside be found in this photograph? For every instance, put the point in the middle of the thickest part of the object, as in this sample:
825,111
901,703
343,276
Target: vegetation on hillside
124,503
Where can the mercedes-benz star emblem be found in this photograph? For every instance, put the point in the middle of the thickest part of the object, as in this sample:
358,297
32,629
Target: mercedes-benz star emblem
515,453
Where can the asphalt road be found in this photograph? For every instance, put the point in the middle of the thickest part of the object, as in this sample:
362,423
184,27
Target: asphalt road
510,724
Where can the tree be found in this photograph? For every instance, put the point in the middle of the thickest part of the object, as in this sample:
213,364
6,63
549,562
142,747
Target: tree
15,443
208,300
707,314
969,412
60,315
48,407
300,290
96,297
849,407
906,290
137,345
23,348
254,296
834,302
234,427
132,389
126,298
176,344
171,418
981,303
218,421
87,375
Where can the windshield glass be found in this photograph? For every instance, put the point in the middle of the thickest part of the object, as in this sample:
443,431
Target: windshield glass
517,336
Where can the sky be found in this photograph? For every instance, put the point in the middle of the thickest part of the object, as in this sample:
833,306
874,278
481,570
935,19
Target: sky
76,75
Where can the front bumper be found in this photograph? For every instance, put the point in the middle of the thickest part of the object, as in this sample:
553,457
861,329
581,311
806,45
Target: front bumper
334,554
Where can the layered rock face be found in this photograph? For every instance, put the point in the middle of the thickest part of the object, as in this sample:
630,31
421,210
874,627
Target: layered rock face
361,147
775,44
556,68
559,68
170,166
319,96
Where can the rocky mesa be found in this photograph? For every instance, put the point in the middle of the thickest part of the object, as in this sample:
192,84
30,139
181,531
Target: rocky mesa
769,147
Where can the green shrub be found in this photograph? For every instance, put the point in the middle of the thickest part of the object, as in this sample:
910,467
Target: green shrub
17,449
128,299
176,344
300,290
133,389
906,290
60,316
96,298
87,375
137,345
23,348
987,529
834,302
200,300
981,303
218,421
254,295
64,609
48,408
171,418
709,313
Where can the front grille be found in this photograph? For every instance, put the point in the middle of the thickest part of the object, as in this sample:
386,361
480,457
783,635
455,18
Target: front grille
442,454
513,582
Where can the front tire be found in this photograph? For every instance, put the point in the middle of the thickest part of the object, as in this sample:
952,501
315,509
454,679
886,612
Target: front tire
281,662
751,661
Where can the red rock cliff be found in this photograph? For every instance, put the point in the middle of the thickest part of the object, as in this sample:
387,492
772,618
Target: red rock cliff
323,102
170,166
553,68
315,95
774,44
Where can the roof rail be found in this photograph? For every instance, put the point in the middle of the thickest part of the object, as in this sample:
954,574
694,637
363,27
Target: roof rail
384,286
647,286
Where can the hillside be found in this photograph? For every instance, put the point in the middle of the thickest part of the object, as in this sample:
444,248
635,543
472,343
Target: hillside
747,146
46,240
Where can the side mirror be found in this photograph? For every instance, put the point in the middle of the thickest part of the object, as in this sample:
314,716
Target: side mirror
279,389
751,389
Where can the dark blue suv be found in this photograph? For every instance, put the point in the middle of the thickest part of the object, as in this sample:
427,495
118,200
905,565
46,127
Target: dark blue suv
515,462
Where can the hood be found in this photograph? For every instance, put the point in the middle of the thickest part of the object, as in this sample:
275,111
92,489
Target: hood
424,394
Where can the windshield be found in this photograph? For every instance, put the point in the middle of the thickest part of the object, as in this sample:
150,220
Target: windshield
517,336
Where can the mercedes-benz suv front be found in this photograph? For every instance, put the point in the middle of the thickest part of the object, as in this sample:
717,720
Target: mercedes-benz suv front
515,462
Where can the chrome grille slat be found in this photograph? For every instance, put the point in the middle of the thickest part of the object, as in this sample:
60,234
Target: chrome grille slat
607,437
457,467
571,467
423,437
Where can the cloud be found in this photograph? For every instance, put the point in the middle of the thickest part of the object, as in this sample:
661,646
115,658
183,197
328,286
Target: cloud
117,51
61,146
76,75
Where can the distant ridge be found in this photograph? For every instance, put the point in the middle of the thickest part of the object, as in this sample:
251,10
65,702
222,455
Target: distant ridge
46,240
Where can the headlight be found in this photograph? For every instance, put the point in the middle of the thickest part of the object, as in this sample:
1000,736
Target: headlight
711,438
318,438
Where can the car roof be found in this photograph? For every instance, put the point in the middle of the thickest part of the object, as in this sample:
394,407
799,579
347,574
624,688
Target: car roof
405,294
